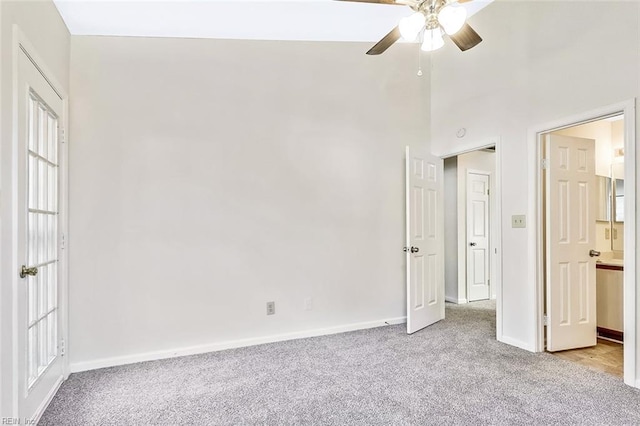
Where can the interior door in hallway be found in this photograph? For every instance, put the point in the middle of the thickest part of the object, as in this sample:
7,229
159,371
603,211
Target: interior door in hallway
40,368
570,237
424,239
478,256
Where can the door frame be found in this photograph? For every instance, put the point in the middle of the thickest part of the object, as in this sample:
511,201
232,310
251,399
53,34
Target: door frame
496,223
10,260
466,233
536,239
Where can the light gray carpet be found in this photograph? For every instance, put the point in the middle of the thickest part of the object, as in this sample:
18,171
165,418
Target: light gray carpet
454,372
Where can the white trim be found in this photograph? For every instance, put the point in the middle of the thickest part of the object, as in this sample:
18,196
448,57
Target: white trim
473,146
497,202
229,344
536,260
21,40
456,301
517,343
41,409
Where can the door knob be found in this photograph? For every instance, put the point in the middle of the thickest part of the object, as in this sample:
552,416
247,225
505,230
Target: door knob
412,249
472,244
24,271
594,253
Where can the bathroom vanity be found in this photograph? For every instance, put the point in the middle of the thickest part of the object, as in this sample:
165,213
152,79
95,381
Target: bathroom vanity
609,301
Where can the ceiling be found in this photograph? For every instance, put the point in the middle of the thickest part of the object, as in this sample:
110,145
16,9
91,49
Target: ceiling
314,20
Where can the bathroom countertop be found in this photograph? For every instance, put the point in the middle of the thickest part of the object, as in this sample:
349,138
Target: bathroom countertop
615,264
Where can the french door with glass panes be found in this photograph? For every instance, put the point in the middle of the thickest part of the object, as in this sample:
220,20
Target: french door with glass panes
40,366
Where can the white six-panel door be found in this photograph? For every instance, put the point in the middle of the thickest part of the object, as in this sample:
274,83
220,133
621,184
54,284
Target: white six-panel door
425,243
40,366
478,255
570,225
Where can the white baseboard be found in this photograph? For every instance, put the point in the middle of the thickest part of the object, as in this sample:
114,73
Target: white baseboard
230,344
516,343
455,300
43,406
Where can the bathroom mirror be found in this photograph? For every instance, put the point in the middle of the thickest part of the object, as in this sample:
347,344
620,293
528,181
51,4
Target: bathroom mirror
618,205
603,193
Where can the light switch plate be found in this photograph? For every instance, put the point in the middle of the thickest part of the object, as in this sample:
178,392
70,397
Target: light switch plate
519,221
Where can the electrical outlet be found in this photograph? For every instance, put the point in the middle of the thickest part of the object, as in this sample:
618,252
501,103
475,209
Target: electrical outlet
308,304
519,221
271,308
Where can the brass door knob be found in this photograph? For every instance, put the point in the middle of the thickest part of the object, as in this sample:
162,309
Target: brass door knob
33,271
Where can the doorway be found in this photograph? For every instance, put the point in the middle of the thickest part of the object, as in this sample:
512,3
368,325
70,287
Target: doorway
471,225
580,243
584,254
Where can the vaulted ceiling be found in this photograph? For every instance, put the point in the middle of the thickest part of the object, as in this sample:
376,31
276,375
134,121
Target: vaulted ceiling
316,20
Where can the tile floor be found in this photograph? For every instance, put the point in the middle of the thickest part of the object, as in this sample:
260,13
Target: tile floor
606,356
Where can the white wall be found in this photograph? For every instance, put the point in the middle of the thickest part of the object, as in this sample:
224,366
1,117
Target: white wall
209,177
40,22
539,62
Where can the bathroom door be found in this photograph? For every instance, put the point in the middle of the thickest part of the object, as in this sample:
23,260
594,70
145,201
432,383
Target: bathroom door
570,236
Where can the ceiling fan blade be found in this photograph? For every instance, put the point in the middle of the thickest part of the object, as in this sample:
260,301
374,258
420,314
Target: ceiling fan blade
395,2
466,38
386,42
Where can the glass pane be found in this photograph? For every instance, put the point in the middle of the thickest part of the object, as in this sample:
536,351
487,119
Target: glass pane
52,136
53,189
42,291
53,286
51,252
32,354
52,333
42,185
32,233
42,231
42,132
32,124
32,186
32,296
43,352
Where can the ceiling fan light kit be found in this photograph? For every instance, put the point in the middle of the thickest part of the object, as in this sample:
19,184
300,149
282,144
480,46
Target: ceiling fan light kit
432,40
411,26
431,18
452,18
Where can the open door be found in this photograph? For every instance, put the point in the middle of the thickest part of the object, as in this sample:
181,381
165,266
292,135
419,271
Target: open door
40,366
425,242
570,238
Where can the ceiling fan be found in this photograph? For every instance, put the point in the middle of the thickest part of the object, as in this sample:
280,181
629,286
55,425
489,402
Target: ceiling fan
430,20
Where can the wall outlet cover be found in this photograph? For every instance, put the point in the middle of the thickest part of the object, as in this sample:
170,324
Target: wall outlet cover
519,221
308,304
271,308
